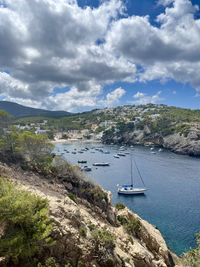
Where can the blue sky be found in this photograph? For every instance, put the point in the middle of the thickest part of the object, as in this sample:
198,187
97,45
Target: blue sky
95,54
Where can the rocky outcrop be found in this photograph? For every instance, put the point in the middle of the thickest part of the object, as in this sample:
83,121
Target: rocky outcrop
186,143
76,220
177,143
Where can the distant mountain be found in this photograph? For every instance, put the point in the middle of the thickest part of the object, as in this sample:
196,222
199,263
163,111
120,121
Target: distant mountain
22,111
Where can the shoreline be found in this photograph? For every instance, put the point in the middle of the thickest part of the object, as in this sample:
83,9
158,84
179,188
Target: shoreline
61,141
85,141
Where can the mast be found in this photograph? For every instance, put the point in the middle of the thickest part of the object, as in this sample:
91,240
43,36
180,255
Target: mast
131,171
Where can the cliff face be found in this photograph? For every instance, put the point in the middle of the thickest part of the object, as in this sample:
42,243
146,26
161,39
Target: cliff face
187,143
91,235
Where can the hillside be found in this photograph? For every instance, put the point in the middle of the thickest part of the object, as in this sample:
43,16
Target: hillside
17,110
87,230
173,128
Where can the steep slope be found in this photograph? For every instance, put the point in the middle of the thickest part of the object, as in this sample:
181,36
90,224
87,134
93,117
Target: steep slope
90,235
21,111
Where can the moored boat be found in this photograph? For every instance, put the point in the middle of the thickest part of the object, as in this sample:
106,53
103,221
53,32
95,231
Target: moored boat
121,154
131,189
103,164
82,161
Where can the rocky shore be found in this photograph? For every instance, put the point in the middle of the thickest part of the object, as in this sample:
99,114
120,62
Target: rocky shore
181,143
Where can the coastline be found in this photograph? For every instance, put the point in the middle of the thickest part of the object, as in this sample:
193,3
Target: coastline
61,141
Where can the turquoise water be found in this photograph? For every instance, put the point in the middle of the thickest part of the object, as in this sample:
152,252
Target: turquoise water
172,201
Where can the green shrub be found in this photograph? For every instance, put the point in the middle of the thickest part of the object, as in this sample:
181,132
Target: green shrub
83,231
131,225
122,219
103,238
120,206
72,197
81,264
26,222
192,258
50,262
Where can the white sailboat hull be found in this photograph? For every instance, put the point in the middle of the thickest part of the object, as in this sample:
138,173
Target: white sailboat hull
131,190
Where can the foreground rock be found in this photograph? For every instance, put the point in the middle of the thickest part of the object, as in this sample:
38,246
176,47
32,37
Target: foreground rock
76,219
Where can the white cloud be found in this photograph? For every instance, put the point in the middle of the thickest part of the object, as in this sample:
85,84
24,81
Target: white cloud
169,50
143,99
52,43
165,2
114,96
55,43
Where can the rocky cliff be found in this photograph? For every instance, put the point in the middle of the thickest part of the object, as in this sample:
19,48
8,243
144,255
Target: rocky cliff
88,230
181,142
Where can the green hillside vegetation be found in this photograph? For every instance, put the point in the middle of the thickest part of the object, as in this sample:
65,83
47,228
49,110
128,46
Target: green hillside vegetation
120,114
25,224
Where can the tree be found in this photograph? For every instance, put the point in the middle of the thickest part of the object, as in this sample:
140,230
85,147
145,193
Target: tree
25,222
34,147
4,120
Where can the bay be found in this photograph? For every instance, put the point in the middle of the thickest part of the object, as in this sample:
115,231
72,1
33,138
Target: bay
172,202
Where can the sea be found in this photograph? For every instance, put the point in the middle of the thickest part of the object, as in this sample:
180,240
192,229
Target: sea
172,201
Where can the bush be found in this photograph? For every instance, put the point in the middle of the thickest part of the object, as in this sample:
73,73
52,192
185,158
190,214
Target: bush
119,206
131,225
26,222
103,238
192,258
83,231
72,197
122,219
50,262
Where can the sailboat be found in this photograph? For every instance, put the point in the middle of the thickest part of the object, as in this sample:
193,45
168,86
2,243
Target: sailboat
131,189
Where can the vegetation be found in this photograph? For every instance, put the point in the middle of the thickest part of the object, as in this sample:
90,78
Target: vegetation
119,206
131,224
31,150
192,258
25,221
103,238
72,197
83,231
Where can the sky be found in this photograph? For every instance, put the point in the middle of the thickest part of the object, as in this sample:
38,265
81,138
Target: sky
78,55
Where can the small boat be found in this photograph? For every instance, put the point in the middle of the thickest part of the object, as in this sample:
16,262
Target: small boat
153,152
116,156
160,150
102,164
82,161
152,148
121,154
131,189
86,169
127,153
106,152
73,152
